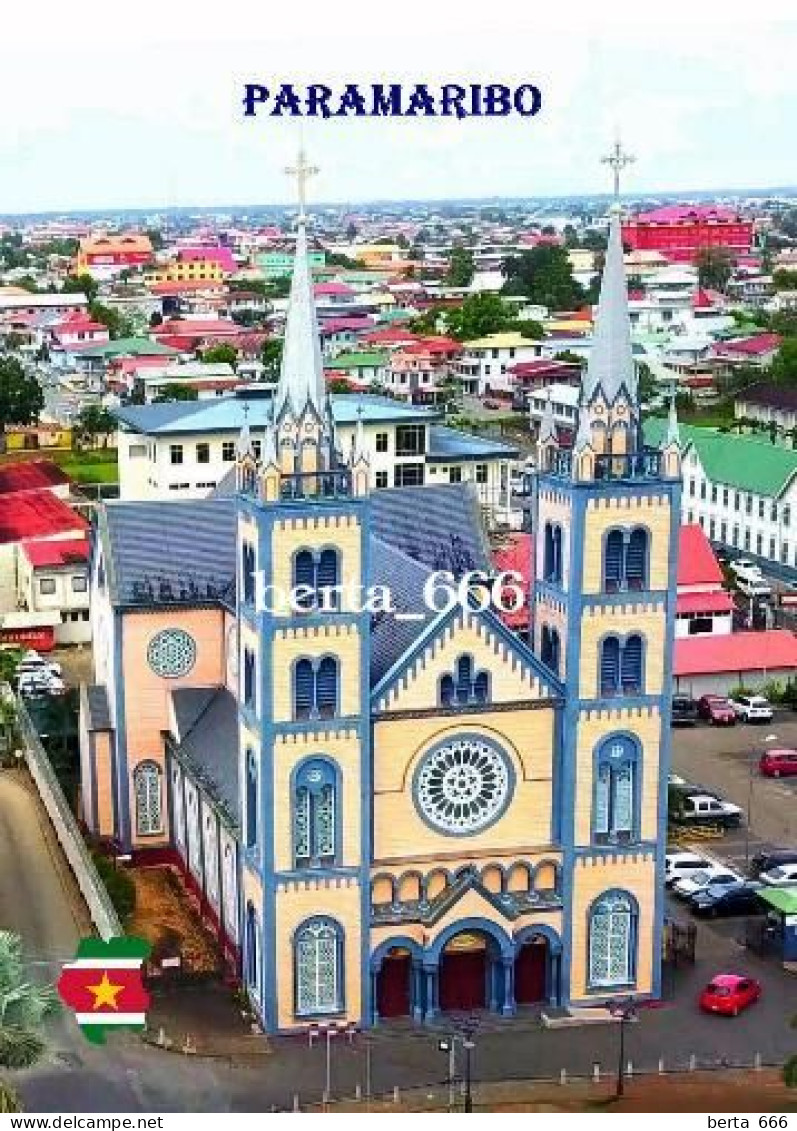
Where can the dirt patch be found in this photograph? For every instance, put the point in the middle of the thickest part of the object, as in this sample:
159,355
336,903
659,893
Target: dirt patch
165,916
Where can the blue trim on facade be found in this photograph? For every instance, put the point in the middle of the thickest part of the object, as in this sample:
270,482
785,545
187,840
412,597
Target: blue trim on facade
122,821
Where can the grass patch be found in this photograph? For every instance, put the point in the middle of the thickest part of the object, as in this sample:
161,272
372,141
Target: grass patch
97,465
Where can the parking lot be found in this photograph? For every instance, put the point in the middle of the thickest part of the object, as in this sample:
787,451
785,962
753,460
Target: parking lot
725,761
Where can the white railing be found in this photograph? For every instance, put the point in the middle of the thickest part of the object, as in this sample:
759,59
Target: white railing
103,914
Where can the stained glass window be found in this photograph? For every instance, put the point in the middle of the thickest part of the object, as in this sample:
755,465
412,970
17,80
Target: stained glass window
314,815
463,785
147,787
318,950
171,653
611,941
615,780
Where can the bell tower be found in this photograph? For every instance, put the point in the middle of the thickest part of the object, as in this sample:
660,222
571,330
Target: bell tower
605,522
304,724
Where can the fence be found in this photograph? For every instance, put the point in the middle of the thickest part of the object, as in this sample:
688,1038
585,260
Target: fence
102,911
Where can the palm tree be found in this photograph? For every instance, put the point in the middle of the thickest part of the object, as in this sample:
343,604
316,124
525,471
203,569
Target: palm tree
23,1009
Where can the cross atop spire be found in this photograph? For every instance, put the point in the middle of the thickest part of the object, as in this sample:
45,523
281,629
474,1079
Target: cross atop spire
302,172
617,159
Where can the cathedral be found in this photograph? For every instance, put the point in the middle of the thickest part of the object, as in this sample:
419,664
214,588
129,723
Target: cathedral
398,812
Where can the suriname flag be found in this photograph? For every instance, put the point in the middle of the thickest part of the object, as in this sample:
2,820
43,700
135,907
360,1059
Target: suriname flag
104,986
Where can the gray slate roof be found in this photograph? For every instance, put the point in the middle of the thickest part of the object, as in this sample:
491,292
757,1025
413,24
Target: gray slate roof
207,721
171,552
448,443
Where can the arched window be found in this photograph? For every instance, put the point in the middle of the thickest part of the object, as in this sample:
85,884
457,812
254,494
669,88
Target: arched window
147,788
613,561
252,961
251,798
616,778
622,665
612,938
631,665
552,558
319,576
549,647
249,678
316,688
318,964
625,560
464,686
315,820
636,562
248,572
610,666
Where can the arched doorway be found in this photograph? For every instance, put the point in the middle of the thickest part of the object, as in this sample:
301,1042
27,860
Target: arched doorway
393,983
464,970
531,971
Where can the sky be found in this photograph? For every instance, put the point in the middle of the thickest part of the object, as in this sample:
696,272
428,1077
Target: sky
140,105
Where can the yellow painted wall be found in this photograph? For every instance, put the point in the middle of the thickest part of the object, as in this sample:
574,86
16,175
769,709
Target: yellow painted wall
510,680
303,900
602,620
590,879
621,511
289,751
147,695
104,780
290,644
554,507
400,833
593,727
341,532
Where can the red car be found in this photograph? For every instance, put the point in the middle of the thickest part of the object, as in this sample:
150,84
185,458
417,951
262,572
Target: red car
717,710
729,994
778,763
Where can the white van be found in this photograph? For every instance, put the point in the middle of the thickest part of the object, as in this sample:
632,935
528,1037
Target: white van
755,588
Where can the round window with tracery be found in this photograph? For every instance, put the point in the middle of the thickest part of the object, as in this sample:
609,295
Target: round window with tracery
171,653
463,785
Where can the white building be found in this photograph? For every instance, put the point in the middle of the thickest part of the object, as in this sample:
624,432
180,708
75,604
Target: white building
483,364
52,577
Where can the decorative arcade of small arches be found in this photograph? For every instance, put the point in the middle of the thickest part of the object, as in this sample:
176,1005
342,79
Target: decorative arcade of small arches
472,965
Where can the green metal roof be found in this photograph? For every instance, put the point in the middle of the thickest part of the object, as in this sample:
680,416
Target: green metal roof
747,463
366,359
127,347
783,899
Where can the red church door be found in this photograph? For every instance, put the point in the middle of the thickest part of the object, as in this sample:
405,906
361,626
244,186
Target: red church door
530,971
463,980
393,986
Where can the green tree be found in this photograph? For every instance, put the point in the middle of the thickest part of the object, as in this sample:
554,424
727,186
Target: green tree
279,288
176,391
24,1007
81,285
529,328
220,353
337,259
460,267
338,385
271,356
785,280
784,364
714,267
119,326
93,423
480,314
155,238
544,275
21,397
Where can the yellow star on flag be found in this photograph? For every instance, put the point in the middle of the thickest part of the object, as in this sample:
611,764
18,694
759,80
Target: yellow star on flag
105,993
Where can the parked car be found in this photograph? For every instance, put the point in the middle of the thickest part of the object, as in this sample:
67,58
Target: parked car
778,763
703,809
684,711
736,899
745,566
32,663
780,874
729,994
772,858
40,683
492,404
755,588
679,865
752,708
717,710
712,876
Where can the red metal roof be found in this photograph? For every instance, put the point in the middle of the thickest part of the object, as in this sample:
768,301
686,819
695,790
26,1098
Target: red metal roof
750,347
515,556
69,552
198,326
717,601
30,476
332,289
738,652
697,564
37,514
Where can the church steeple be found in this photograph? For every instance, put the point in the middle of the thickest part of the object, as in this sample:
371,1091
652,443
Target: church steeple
301,380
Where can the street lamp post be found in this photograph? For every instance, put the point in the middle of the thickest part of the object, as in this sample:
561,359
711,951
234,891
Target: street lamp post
469,1045
464,1034
624,1011
769,739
